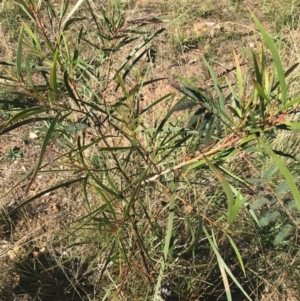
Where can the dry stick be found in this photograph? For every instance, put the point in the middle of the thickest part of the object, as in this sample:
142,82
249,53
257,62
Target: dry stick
141,253
187,204
203,154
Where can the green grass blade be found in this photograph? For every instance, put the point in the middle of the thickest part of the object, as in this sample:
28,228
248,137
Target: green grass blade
98,185
223,265
167,242
107,201
295,101
257,69
196,237
238,254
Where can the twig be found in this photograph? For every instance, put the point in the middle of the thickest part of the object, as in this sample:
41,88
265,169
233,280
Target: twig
205,153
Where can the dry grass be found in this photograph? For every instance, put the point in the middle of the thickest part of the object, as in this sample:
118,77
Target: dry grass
40,236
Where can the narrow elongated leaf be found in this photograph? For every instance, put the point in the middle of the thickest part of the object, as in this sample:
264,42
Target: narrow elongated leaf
257,68
70,22
65,184
69,88
261,91
163,98
294,126
196,238
26,9
19,54
221,107
146,41
26,113
238,254
53,76
71,13
107,201
16,125
184,106
238,73
44,148
135,193
226,188
276,58
286,74
222,270
295,101
33,36
98,185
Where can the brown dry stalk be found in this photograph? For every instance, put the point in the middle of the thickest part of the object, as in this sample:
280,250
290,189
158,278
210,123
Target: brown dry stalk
203,154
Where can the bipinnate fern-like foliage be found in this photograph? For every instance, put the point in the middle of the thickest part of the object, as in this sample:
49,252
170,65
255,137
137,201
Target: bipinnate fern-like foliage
274,208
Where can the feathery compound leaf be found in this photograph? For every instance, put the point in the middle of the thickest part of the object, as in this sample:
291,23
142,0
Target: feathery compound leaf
282,188
283,234
73,128
268,218
267,174
284,170
259,203
291,205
